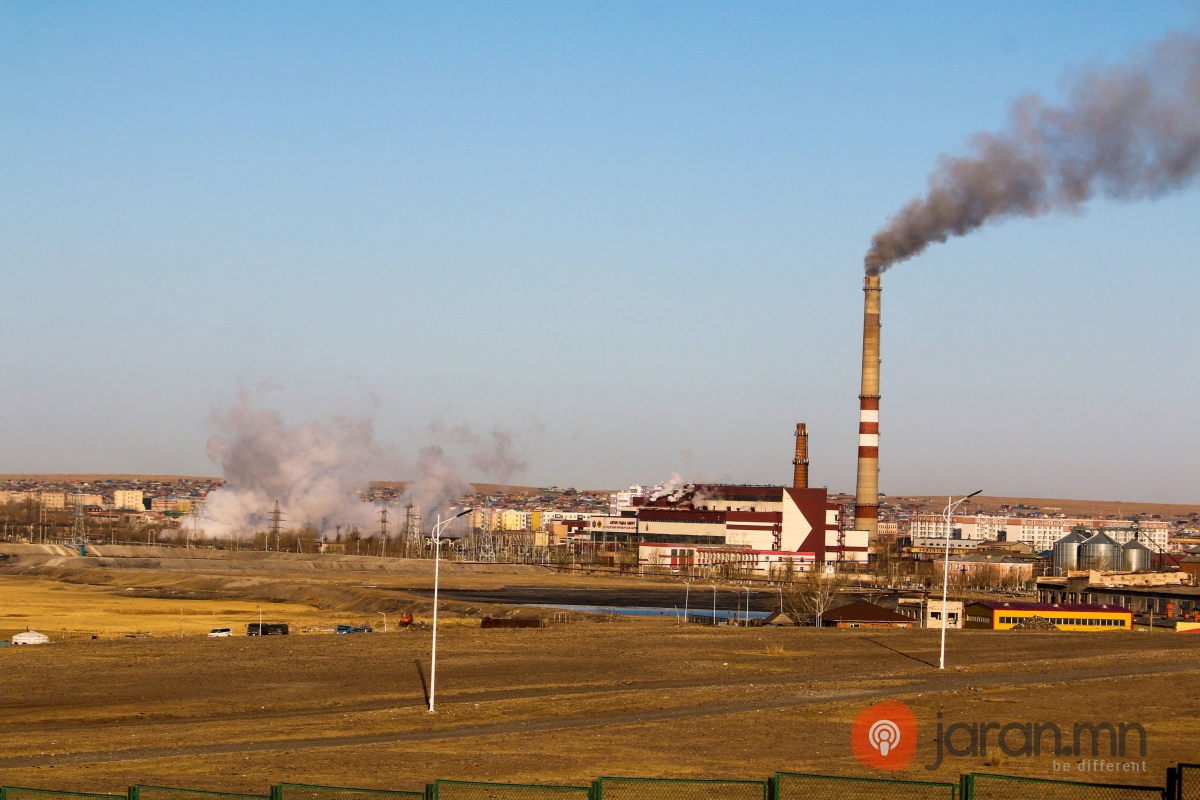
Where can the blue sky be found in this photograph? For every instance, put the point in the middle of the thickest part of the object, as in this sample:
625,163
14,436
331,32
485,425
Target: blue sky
629,233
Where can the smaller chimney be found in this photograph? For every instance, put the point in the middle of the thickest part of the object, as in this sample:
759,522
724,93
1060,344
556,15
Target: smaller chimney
800,478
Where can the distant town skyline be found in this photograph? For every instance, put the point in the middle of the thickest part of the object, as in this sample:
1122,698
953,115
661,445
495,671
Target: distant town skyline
574,245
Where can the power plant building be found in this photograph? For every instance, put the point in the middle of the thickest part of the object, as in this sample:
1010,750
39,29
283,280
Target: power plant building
758,526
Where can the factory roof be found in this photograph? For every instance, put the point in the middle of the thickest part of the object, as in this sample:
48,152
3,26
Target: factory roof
672,515
997,605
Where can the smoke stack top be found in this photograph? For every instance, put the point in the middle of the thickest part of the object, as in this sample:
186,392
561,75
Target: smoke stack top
800,462
1126,132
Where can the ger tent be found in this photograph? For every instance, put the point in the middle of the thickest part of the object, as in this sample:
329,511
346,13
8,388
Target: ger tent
31,637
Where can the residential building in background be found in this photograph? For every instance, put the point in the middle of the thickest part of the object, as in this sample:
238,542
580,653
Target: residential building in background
1040,533
53,499
128,500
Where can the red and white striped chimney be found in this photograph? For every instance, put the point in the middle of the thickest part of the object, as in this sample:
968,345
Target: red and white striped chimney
866,505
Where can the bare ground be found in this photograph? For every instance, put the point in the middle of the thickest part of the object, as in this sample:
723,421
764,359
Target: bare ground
563,704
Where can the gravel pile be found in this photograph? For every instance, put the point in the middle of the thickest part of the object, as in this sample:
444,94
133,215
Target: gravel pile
1035,623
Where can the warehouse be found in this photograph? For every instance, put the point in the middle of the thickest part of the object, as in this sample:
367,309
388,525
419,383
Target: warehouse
1163,596
1002,616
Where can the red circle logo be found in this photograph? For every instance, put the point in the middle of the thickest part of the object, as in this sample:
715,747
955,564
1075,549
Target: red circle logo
884,736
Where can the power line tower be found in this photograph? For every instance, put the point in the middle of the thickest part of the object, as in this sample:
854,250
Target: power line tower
79,529
412,531
486,552
276,519
383,533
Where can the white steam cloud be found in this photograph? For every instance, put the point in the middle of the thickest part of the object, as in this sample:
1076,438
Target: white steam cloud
493,454
314,470
437,485
673,488
319,472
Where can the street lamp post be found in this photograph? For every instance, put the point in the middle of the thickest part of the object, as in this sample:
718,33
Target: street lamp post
951,504
714,587
437,559
687,588
747,605
259,620
382,614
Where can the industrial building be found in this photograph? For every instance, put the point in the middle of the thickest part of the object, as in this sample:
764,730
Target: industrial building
759,527
1003,616
1101,552
752,528
1158,597
1040,533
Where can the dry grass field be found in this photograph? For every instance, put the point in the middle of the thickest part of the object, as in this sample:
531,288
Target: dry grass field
564,704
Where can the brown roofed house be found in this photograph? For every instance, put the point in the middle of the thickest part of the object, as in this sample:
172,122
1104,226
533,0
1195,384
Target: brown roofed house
862,614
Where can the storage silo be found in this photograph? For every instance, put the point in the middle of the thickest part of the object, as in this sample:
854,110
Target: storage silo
1100,552
1135,556
1066,553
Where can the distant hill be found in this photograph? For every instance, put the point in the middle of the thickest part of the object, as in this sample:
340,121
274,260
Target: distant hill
100,477
1070,508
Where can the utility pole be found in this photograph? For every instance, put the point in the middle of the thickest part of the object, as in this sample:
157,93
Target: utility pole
437,551
951,504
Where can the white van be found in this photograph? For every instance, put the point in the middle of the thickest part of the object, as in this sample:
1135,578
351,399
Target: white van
220,632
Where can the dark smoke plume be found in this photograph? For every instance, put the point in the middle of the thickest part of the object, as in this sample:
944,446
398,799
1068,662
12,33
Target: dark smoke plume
1126,132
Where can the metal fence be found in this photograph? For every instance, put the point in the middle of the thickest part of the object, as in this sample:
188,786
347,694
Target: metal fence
168,793
17,793
1183,783
468,790
793,786
302,791
669,789
1006,787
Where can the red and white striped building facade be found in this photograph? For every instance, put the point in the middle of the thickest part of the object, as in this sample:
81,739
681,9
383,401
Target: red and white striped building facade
759,526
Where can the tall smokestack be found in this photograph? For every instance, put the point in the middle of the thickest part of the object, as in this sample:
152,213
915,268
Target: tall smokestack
800,478
866,505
